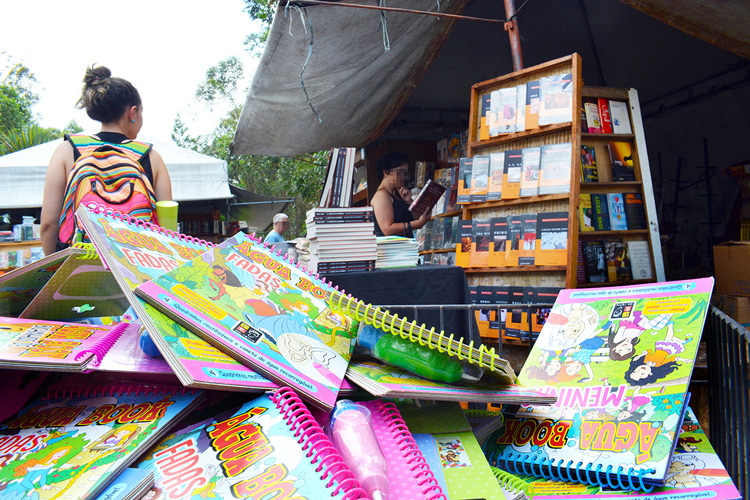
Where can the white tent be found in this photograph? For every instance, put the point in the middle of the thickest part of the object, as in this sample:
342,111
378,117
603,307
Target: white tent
194,176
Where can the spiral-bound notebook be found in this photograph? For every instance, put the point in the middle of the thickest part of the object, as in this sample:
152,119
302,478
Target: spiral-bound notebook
136,252
409,475
271,447
54,345
619,360
76,440
262,310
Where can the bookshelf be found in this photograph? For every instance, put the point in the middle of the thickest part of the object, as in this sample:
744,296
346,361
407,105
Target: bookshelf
11,252
564,275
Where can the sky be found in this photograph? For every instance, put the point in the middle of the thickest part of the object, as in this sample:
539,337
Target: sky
163,47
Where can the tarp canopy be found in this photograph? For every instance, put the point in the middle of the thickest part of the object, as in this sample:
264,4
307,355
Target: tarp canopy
255,209
194,176
355,86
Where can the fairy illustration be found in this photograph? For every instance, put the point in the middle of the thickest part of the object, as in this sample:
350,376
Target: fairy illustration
622,342
34,473
117,438
650,366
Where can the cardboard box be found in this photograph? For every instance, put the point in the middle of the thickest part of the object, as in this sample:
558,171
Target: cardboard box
732,268
737,308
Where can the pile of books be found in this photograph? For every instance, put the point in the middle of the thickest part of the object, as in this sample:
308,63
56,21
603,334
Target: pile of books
236,319
341,239
396,251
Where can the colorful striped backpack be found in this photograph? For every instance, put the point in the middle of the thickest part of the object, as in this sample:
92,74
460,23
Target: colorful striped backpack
109,175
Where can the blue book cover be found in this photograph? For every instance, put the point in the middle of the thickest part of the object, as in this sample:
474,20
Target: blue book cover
617,219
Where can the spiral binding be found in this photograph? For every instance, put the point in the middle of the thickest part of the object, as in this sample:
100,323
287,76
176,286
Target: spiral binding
88,248
396,325
571,471
318,447
109,212
102,347
410,451
116,390
508,481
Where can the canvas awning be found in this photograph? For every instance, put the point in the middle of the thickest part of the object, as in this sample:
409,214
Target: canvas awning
255,209
353,83
194,176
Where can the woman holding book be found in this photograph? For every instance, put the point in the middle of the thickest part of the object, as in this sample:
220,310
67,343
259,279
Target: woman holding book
391,201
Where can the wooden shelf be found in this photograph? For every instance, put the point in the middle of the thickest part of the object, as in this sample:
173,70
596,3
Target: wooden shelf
21,244
450,214
437,250
593,186
519,201
526,134
624,232
360,195
608,137
514,269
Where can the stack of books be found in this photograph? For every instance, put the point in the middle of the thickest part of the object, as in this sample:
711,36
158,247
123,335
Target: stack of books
396,251
341,240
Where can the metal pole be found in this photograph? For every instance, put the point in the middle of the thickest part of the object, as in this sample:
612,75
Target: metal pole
511,27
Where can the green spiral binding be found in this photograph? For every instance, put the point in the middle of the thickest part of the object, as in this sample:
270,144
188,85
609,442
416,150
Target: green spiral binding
512,483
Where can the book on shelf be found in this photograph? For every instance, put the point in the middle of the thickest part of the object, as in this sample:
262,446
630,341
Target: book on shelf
521,108
621,160
620,116
498,238
451,196
600,205
424,171
517,320
136,253
464,180
532,105
438,233
580,264
554,168
453,453
696,471
512,166
383,380
493,127
617,219
593,121
635,213
495,176
612,248
589,171
480,242
485,100
507,110
551,239
595,261
622,263
556,99
585,213
264,312
640,259
337,189
621,387
479,178
527,248
529,172
604,115
484,295
584,124
463,243
513,243
426,199
85,436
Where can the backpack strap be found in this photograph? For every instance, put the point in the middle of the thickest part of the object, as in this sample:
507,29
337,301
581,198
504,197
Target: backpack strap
86,143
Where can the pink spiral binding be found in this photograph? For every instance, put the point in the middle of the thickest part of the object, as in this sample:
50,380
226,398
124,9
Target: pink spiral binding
102,347
311,436
102,210
115,390
407,446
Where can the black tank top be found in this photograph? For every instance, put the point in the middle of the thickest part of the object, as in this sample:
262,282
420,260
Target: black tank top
401,214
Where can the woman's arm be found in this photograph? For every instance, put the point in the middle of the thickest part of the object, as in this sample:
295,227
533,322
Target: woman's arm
54,195
162,182
383,209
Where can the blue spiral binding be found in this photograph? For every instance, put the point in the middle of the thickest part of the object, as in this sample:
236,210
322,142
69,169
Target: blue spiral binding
585,473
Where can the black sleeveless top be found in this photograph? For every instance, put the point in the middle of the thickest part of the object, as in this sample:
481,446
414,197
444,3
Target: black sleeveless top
401,214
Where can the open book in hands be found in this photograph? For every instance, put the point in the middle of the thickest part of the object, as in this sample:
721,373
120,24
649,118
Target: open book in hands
426,199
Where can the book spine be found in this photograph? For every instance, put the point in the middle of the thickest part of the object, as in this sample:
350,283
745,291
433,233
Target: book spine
100,349
317,445
604,115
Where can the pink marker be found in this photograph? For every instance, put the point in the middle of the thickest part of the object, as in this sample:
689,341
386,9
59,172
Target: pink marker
353,437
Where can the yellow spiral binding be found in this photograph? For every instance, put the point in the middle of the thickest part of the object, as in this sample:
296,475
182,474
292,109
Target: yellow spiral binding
392,323
508,481
89,248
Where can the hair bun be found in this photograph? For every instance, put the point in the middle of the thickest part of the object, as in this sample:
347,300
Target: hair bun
96,75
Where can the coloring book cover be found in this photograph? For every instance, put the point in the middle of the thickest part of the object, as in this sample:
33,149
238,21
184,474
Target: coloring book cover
619,361
19,286
137,253
263,311
74,444
247,453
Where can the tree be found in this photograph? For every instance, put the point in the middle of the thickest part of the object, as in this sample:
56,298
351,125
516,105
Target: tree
299,178
259,10
16,95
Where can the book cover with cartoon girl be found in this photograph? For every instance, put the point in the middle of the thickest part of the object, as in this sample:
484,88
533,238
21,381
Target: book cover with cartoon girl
263,311
619,361
73,444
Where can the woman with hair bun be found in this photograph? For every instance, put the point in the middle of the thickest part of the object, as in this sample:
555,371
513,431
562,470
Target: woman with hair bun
115,103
